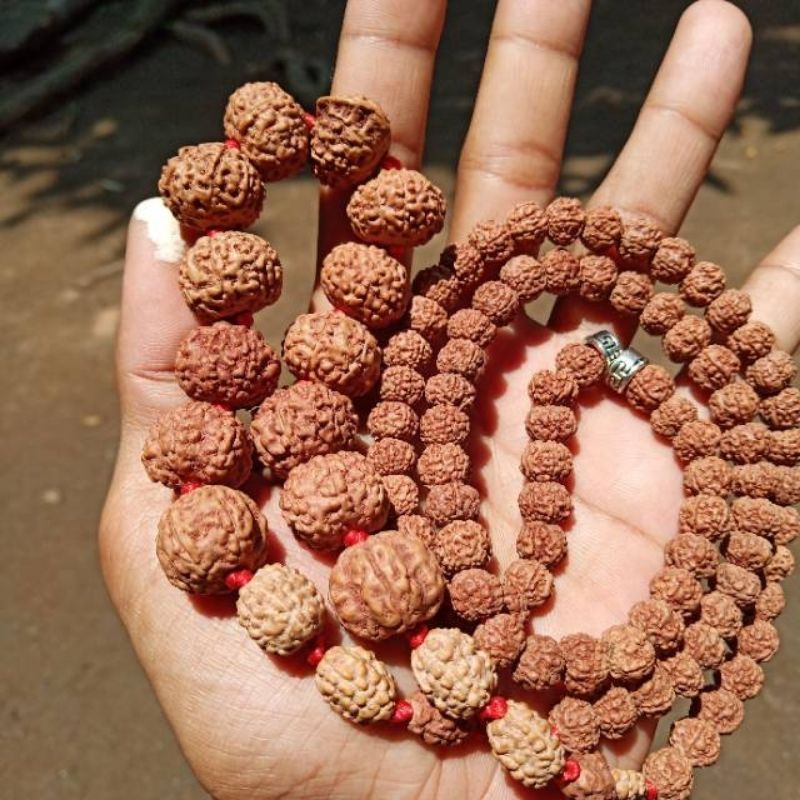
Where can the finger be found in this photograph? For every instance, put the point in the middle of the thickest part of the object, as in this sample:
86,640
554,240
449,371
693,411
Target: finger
774,288
516,138
683,118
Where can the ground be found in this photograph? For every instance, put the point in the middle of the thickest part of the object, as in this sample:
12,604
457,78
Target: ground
78,719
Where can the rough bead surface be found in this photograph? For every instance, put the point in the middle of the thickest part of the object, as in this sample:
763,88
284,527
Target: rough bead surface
686,338
693,552
672,260
541,664
408,349
596,277
742,676
629,784
705,514
714,367
583,361
211,186
771,373
280,608
771,602
782,411
756,515
462,357
740,584
476,594
558,388
502,636
468,323
546,501
565,220
781,565
448,388
402,493
394,419
722,708
704,283
602,229
704,645
631,293
746,443
748,550
729,311
416,525
751,341
639,241
526,584
546,461
497,300
402,384
616,712
595,781
439,283
629,653
550,423
753,480
525,275
649,388
463,544
330,494
391,456
427,318
720,611
561,272
759,640
493,241
576,724
466,262
783,447
662,312
207,534
527,225
656,695
443,463
672,415
659,621
543,541
678,587
733,404
685,674
431,725
696,440
448,502
444,424
671,773
585,664
355,684
710,476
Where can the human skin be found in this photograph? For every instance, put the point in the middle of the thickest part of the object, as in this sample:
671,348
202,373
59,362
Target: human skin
256,727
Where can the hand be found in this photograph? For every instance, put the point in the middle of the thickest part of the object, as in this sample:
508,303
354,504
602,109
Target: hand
253,727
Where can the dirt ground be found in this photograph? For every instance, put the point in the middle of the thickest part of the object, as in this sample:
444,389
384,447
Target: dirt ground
78,719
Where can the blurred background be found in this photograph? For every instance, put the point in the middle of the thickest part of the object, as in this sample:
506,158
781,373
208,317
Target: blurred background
94,97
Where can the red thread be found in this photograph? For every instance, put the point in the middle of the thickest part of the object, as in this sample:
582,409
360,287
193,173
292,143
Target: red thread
223,407
390,162
417,636
571,771
235,580
496,708
402,714
245,318
190,486
317,652
650,790
354,536
212,232
310,120
397,252
232,144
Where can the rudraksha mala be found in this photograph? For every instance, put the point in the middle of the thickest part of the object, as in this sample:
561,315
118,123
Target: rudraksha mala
418,356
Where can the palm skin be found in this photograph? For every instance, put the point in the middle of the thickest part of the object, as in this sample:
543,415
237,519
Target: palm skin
253,726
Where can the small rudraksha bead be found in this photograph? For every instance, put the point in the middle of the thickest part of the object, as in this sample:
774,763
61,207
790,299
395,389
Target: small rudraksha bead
745,444
663,311
448,502
427,318
551,423
616,712
781,565
565,220
585,665
402,384
542,541
704,283
631,293
416,525
678,587
541,664
656,695
639,241
670,772
740,584
742,675
442,463
392,418
771,602
693,552
546,461
475,594
448,388
729,311
705,514
752,341
558,388
704,644
595,780
502,636
649,388
721,612
463,357
687,338
527,223
468,323
771,373
696,440
546,501
466,262
759,640
629,653
673,260
407,349
391,456
714,367
710,475
575,724
782,411
498,301
443,424
596,277
602,229
526,584
493,241
788,525
525,275
784,447
672,415
785,485
722,708
684,673
439,283
753,480
403,493
463,544
433,726
583,361
697,739
660,622
756,515
733,404
748,550
561,272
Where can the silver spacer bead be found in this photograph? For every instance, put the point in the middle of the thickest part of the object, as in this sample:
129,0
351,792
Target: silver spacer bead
606,344
623,368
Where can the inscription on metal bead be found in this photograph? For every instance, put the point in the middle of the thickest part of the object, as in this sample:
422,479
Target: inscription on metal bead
623,368
606,344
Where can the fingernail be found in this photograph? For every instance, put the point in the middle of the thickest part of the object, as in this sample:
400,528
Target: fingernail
163,229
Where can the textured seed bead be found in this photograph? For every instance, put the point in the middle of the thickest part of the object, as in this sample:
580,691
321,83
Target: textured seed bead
565,220
756,515
759,640
678,587
696,440
562,272
541,664
585,664
527,224
546,501
660,622
546,461
738,583
583,361
692,552
525,275
439,283
394,419
576,724
663,311
427,318
752,341
431,725
631,293
733,404
448,502
705,514
444,424
469,323
391,456
550,423
407,349
721,612
673,260
542,541
710,475
781,565
723,709
448,388
753,480
729,311
463,357
502,636
745,444
714,367
402,384
670,772
782,411
616,712
672,415
416,525
442,463
526,584
639,241
656,695
602,229
402,493
704,644
558,388
649,388
771,373
630,784
475,594
466,262
771,602
686,338
493,241
498,301
786,486
747,550
684,674
704,283
596,277
784,447
594,782
461,545
743,676
629,653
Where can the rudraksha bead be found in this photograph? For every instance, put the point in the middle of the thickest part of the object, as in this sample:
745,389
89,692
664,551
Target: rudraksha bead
740,584
678,587
705,514
492,239
469,323
463,544
639,241
696,440
786,486
448,502
748,550
575,724
686,338
722,708
673,260
475,594
583,361
649,388
546,501
527,224
546,461
595,781
781,565
693,552
756,515
697,739
543,541
752,341
784,447
408,349
663,311
550,423
525,275
416,525
672,415
781,411
714,367
733,404
684,673
729,311
742,675
561,271
596,277
788,525
771,373
442,463
498,301
558,388
463,357
433,726
448,388
660,622
565,220
602,229
754,480
391,456
759,640
439,283
585,664
745,443
629,653
502,636
670,772
392,418
704,283
631,293
616,712
771,602
541,664
656,695
466,262
704,644
526,584
427,318
402,493
721,612
444,424
402,384
710,475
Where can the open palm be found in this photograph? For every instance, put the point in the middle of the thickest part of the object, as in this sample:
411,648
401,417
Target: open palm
256,727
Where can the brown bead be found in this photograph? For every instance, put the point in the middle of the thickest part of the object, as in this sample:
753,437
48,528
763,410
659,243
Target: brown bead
466,262
629,653
443,424
673,260
558,388
468,323
475,594
704,283
402,493
408,349
416,525
663,311
649,388
672,415
714,367
550,423
754,480
565,220
782,411
602,229
678,587
502,636
784,447
439,283
561,270
751,341
583,361
788,526
639,241
710,475
745,444
781,565
463,357
493,241
402,384
771,602
785,485
733,404
585,664
431,725
526,584
670,772
527,224
546,501
497,300
747,550
448,502
391,456
546,461
705,514
659,621
694,553
525,275
427,318
656,695
393,419
541,664
759,640
616,712
756,515
595,781
721,612
743,676
684,673
686,338
771,373
576,724
696,440
723,709
740,584
463,544
729,311
631,293
596,277
448,388
542,541
442,463
704,644
697,739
